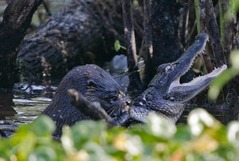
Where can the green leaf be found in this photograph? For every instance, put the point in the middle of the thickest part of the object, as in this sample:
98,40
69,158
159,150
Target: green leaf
87,130
233,8
43,126
218,83
197,13
43,153
183,133
117,45
96,152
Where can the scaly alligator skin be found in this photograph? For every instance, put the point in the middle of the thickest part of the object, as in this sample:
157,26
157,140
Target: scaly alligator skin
165,95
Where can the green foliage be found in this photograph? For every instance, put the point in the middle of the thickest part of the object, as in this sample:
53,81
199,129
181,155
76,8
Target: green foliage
233,8
118,46
225,77
32,142
203,138
197,12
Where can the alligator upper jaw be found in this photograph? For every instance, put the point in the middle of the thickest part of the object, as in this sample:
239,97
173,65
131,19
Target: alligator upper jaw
184,63
186,91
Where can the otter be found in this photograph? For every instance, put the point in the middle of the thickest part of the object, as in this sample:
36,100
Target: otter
96,85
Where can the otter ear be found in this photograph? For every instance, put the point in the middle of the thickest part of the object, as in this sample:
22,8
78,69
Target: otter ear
91,83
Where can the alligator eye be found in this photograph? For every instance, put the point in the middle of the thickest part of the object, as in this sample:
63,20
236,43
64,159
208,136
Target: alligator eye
167,68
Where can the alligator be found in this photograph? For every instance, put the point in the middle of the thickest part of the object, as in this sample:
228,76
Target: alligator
165,94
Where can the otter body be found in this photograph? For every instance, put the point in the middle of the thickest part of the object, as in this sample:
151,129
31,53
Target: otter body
96,85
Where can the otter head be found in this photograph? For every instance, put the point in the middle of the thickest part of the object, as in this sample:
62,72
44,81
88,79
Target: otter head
102,88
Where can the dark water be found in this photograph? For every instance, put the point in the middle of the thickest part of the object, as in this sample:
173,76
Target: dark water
28,104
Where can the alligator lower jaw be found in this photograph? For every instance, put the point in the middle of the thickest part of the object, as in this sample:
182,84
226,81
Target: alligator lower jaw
213,74
195,86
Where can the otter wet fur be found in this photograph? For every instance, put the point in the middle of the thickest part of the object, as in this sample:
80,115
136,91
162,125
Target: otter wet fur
96,85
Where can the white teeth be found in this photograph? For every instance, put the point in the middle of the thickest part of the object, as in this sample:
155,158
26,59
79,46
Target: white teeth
199,79
214,73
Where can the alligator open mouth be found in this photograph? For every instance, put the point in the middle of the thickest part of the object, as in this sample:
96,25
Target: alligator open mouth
185,91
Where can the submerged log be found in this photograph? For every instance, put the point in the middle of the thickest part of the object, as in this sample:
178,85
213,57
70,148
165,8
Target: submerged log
83,32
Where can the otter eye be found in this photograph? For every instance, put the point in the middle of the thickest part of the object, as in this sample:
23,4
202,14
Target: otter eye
114,98
91,83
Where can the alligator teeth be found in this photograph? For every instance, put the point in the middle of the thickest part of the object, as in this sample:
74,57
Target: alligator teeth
213,74
198,80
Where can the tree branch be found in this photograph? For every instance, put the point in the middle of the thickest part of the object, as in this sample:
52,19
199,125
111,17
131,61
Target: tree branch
209,24
146,50
134,77
16,20
94,110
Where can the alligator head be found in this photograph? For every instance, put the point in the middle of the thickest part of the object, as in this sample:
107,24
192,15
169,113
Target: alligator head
165,95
